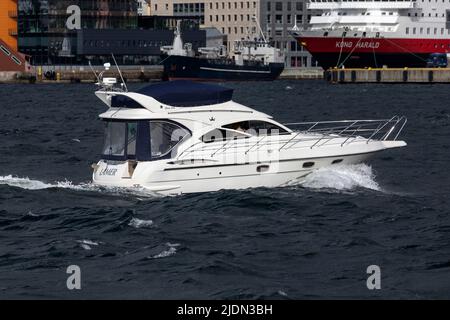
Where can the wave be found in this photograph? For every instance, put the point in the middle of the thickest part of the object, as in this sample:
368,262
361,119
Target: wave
342,178
167,253
87,244
29,184
138,223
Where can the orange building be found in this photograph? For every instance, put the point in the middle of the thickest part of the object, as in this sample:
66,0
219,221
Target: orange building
8,23
10,58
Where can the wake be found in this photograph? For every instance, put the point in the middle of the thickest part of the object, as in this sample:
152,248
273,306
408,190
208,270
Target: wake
29,184
342,178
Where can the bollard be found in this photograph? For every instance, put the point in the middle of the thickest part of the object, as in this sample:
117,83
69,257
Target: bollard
335,76
378,75
39,73
341,76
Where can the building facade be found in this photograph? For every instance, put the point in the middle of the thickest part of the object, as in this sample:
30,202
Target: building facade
234,19
143,7
278,18
8,23
73,32
48,29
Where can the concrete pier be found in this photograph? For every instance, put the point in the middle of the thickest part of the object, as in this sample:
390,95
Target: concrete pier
388,75
302,73
78,74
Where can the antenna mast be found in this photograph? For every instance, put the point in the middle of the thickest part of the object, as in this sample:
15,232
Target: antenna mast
120,73
95,72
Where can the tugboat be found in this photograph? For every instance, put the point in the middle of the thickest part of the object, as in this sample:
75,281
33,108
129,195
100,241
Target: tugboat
251,60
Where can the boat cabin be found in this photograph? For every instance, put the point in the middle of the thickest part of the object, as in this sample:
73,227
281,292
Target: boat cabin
152,123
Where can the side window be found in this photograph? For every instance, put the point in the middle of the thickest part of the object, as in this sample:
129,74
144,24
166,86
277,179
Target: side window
164,137
256,128
221,135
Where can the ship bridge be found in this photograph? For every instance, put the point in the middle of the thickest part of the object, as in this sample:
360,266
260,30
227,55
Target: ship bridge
360,4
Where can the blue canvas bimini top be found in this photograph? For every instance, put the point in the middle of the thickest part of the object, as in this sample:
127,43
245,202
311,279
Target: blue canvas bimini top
182,93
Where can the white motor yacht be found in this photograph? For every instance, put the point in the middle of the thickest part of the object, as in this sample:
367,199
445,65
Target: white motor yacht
185,137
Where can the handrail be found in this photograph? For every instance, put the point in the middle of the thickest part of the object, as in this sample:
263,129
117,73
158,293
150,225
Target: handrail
257,143
347,133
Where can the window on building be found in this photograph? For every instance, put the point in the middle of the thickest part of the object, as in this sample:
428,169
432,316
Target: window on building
279,18
279,6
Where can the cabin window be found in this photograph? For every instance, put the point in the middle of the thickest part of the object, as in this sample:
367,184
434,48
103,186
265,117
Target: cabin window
222,135
141,140
165,136
257,128
115,134
308,165
131,139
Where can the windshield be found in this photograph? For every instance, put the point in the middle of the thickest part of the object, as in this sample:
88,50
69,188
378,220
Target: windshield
141,140
114,139
131,137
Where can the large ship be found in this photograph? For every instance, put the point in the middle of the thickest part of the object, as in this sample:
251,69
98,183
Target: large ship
376,33
250,59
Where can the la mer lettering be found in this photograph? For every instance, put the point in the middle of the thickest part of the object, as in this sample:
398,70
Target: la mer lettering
108,172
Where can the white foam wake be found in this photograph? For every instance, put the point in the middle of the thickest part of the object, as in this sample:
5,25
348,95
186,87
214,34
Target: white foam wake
167,253
138,223
87,244
29,184
344,177
24,183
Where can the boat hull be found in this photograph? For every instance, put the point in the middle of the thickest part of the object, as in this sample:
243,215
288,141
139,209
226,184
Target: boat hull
192,68
359,52
194,179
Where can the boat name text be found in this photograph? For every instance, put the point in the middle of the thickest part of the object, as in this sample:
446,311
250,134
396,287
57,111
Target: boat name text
108,172
360,45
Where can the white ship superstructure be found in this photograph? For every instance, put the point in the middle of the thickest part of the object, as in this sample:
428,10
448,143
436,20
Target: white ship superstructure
397,33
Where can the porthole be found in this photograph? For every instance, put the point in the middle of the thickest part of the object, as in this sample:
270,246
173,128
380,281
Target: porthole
337,161
263,168
308,164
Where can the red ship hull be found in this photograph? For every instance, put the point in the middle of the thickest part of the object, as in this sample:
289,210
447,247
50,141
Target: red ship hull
372,52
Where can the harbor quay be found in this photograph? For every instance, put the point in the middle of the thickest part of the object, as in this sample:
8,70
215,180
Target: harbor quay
388,75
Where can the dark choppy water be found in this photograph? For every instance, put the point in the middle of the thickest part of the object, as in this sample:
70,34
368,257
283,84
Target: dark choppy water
309,241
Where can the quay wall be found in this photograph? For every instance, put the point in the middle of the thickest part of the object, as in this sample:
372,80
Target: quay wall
388,75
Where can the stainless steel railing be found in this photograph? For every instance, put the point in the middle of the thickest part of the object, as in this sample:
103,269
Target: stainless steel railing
318,133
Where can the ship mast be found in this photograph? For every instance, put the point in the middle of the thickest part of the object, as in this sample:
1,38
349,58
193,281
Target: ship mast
255,19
